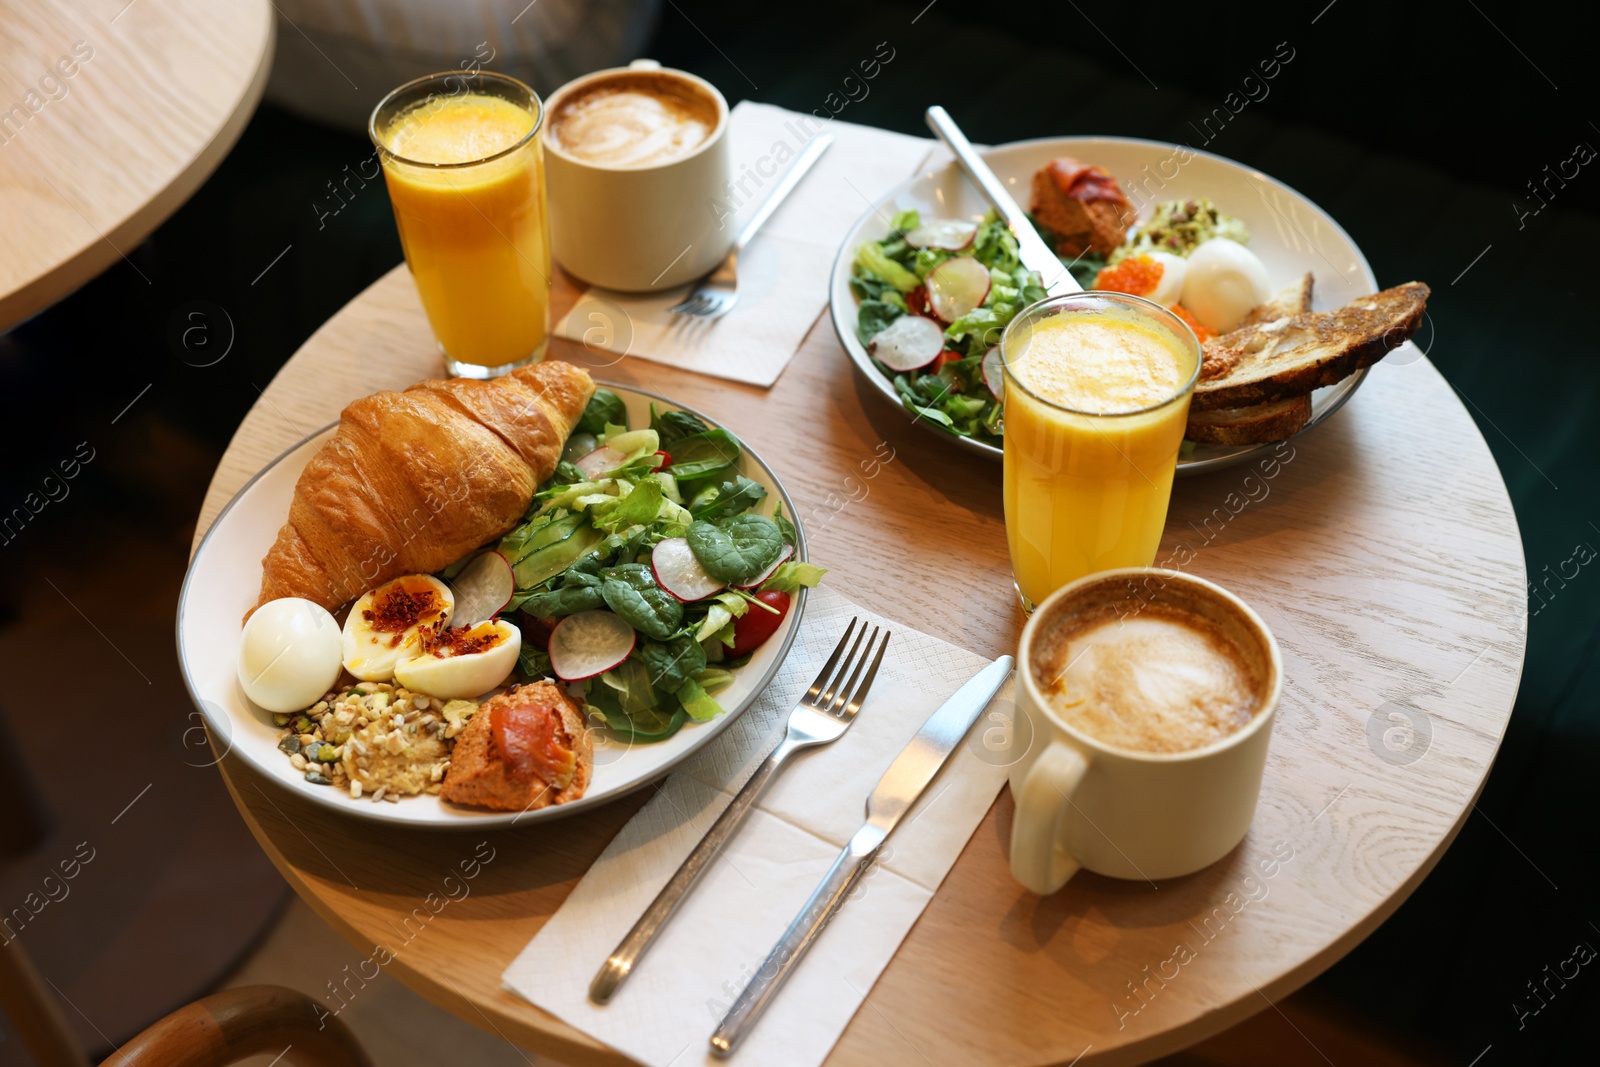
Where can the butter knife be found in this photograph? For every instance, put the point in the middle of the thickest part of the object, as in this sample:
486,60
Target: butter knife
896,792
1031,249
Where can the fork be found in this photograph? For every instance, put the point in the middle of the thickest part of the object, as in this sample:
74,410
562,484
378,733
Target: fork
822,715
716,294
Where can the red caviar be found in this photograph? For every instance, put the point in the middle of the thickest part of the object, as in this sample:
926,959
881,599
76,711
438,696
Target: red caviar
1138,275
1201,330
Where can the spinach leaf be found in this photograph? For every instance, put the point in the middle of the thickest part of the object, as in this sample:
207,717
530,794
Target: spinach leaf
604,408
736,549
631,591
869,288
673,426
568,600
786,529
874,317
727,499
670,663
703,454
566,474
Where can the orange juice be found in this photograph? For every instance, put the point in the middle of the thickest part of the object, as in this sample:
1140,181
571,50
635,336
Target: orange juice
466,177
1096,397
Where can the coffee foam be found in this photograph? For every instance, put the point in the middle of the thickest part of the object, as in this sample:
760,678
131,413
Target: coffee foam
634,120
1163,678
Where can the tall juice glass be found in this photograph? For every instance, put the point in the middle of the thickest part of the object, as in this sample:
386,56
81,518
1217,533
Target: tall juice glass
1097,389
465,170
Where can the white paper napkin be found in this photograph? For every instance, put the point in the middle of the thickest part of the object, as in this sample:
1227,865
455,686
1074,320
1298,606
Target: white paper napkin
783,275
666,1012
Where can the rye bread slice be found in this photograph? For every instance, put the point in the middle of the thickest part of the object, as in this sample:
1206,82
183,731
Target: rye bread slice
1291,356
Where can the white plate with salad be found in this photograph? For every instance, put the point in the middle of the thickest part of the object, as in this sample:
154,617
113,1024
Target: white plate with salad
953,395
636,740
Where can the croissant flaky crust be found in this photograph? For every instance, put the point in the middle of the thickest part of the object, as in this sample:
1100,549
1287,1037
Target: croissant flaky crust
412,481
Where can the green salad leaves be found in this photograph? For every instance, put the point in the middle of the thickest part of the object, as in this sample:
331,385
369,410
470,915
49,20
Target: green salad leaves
586,545
888,278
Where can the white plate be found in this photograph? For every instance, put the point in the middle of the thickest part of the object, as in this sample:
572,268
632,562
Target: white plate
1290,234
224,581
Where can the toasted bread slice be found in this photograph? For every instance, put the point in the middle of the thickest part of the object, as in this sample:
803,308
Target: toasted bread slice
1291,356
1275,420
1293,299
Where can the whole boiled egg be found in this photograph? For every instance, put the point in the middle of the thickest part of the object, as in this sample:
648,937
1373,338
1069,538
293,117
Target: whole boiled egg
1224,281
463,662
288,654
389,624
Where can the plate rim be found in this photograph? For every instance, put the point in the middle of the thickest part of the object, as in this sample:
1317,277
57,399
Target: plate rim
1240,453
489,820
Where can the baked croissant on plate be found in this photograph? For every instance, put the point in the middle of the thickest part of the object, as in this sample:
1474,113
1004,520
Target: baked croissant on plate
412,481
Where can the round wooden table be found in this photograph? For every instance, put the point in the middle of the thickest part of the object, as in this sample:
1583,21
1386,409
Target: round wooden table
1380,547
111,115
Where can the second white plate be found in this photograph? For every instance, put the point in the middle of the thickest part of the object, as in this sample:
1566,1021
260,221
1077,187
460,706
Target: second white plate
1290,234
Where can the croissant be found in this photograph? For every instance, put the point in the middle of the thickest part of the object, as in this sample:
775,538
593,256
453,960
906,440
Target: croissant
412,481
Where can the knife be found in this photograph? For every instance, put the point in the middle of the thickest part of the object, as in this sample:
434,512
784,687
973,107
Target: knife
1031,249
896,792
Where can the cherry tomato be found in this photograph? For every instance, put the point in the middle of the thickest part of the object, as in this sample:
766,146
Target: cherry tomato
941,359
751,630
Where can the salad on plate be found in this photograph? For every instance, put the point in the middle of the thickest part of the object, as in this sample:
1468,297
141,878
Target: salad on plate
935,297
643,571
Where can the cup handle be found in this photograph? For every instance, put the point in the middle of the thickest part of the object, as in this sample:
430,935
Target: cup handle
644,64
1037,860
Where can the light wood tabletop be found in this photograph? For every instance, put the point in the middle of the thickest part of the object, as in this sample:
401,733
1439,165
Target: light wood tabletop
1380,547
111,115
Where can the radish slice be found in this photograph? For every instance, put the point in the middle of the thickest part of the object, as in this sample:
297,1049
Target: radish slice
994,373
956,286
588,644
783,557
605,458
679,573
951,235
483,587
907,343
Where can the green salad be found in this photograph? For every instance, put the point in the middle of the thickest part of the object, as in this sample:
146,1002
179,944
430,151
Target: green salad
644,570
891,278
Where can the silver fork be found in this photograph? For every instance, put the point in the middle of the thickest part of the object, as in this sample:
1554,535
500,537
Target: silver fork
716,294
822,715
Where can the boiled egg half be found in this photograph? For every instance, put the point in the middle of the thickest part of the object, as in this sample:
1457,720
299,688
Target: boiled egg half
464,662
288,654
389,624
1224,281
1169,288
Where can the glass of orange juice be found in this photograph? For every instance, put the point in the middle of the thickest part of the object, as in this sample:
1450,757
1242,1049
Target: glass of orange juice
465,170
1097,389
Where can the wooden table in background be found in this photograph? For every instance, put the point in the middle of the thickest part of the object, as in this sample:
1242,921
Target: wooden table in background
1381,548
112,112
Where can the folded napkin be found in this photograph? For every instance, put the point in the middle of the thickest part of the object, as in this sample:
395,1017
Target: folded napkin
783,275
666,1012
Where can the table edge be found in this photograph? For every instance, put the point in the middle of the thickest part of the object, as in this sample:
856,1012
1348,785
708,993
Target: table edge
97,254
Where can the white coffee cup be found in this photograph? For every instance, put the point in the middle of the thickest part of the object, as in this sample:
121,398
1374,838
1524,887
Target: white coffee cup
639,228
1125,813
